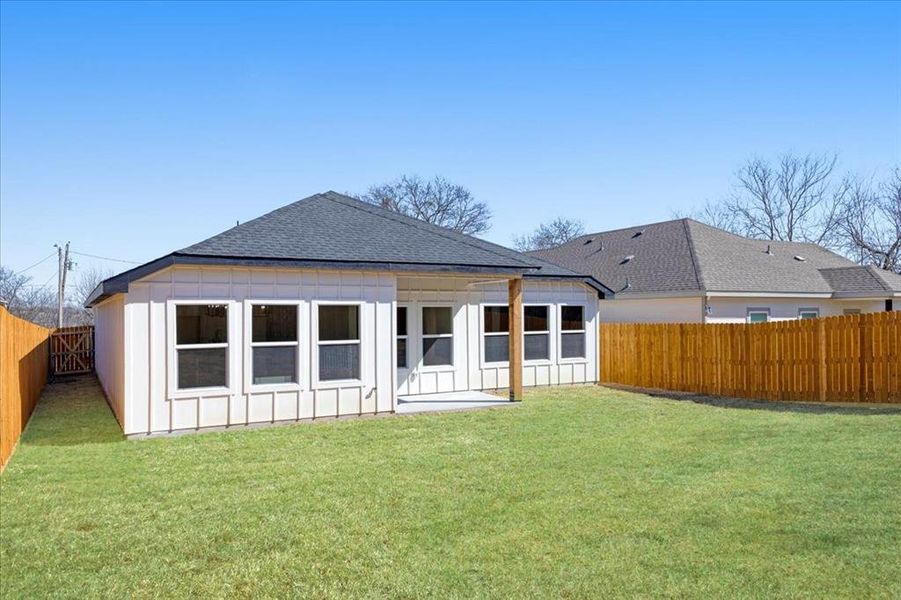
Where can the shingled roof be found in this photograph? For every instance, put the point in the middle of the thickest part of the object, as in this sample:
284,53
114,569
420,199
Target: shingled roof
331,230
685,257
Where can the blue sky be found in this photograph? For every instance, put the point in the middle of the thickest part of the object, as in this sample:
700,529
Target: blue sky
136,129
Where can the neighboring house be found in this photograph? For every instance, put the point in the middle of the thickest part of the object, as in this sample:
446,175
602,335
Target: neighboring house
686,271
329,307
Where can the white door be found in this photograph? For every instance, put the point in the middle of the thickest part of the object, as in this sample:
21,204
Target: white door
430,347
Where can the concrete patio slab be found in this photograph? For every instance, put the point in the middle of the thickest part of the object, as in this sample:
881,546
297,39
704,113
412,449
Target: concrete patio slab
424,403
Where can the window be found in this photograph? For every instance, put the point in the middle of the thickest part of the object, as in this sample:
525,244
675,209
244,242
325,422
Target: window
339,342
496,333
402,354
808,313
437,336
758,315
572,332
201,346
274,343
851,311
537,330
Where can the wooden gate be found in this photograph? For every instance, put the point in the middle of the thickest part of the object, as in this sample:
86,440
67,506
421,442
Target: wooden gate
72,350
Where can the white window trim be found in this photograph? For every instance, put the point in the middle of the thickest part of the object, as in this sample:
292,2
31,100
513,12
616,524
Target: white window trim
802,311
550,350
398,336
328,384
173,391
249,345
561,331
483,334
422,367
757,311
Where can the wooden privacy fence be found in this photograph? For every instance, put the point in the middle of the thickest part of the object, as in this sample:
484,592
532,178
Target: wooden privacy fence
854,358
72,350
24,359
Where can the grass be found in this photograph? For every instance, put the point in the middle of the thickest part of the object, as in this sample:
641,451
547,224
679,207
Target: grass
578,492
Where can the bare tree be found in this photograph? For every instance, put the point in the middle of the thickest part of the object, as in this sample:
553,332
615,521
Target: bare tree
35,303
436,201
548,235
87,280
870,221
793,199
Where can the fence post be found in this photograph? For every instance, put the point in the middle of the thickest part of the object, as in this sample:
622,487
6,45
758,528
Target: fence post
821,359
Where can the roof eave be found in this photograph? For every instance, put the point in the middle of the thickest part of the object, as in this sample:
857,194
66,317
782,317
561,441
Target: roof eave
603,291
119,283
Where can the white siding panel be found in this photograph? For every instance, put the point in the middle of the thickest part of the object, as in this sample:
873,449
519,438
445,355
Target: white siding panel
652,310
109,352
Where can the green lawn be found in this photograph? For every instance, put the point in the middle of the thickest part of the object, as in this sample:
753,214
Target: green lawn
577,492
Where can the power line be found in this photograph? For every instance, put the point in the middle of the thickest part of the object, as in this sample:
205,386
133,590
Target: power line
49,256
131,262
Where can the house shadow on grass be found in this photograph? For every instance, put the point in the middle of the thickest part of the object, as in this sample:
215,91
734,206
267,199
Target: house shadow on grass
72,411
819,408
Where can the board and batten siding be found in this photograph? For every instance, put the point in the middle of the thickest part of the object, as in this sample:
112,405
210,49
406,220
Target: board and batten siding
109,352
467,296
152,403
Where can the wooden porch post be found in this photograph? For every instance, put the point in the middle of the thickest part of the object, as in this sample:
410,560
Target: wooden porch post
514,301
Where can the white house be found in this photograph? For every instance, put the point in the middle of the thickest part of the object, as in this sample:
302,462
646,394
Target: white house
686,271
330,307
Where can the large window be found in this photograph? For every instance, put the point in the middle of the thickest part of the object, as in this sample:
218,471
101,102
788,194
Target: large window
537,330
496,333
403,356
201,345
572,332
437,336
339,342
274,343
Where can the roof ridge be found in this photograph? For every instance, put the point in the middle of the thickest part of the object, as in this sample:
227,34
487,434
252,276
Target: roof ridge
875,275
694,255
639,226
437,229
253,220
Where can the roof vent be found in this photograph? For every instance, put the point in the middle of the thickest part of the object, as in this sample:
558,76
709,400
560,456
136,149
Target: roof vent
626,259
588,241
799,258
638,233
769,250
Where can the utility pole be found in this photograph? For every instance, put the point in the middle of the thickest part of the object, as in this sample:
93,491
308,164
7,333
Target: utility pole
64,265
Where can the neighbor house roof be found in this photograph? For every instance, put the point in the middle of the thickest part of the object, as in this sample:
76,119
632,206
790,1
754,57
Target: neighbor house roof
685,257
331,230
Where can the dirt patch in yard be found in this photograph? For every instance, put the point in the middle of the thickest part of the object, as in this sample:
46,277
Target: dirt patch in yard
842,408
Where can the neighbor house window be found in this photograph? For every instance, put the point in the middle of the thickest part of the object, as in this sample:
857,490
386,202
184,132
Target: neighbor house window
758,315
851,311
437,336
339,342
808,313
402,352
201,346
572,332
537,330
496,333
274,343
